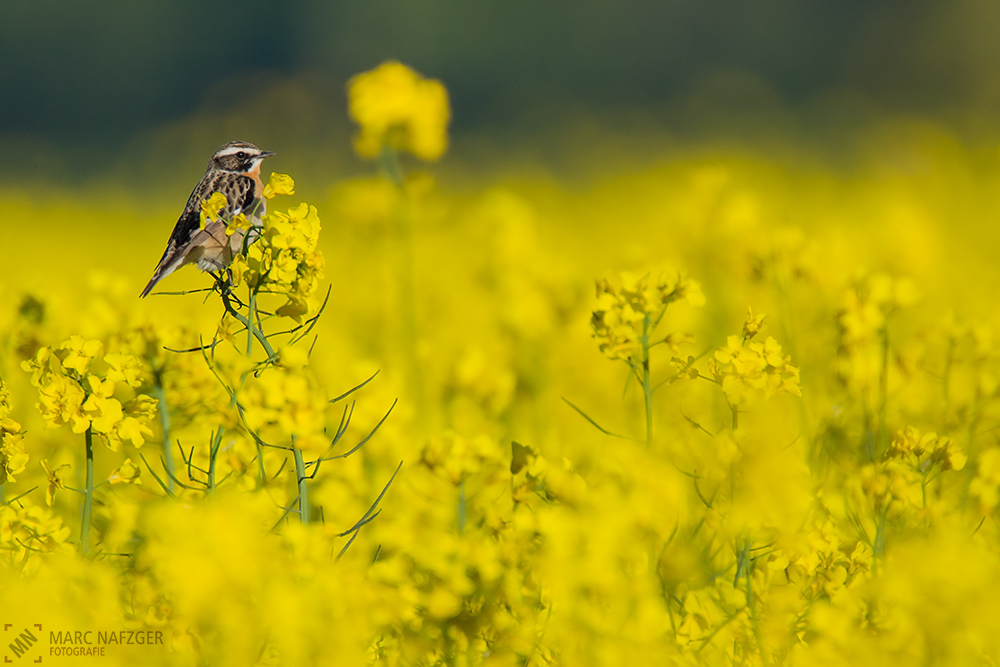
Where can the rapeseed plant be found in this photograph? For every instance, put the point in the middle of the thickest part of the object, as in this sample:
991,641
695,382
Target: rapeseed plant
399,110
627,316
75,391
13,458
814,486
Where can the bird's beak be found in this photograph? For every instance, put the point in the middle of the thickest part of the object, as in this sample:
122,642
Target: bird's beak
265,154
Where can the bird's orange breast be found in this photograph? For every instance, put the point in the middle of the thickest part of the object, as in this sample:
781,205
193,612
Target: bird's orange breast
255,175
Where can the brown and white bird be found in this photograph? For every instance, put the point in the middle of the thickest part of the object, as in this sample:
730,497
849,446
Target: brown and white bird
234,171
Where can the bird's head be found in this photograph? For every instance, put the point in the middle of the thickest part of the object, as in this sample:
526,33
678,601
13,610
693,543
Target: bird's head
238,157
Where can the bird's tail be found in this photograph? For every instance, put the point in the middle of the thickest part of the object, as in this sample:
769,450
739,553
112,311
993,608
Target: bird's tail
152,283
211,248
168,264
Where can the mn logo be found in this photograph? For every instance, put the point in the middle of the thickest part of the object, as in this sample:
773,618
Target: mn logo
20,643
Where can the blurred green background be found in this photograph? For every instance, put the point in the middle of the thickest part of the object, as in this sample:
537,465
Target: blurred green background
144,91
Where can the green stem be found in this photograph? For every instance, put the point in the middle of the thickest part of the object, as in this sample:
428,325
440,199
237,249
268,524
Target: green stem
462,508
164,410
883,433
88,494
736,416
752,602
213,454
647,389
388,161
251,332
946,377
405,268
251,328
878,544
300,475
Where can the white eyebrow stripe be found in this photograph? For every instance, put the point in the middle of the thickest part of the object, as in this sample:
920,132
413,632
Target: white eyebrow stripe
232,150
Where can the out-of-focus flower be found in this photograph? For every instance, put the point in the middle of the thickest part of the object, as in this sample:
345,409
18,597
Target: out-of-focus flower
30,528
634,304
868,301
986,484
926,450
126,473
753,324
124,368
867,306
285,405
55,480
455,457
397,108
746,370
13,458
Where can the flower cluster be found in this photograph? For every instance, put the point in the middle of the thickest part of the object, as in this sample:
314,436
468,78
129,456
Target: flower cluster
81,386
628,309
13,458
904,476
454,457
399,109
868,303
745,370
986,484
27,528
285,405
285,259
926,451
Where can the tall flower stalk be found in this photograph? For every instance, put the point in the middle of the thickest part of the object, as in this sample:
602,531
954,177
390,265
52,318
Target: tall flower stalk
625,319
399,111
94,394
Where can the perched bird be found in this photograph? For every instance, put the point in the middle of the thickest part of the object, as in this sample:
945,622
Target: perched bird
234,170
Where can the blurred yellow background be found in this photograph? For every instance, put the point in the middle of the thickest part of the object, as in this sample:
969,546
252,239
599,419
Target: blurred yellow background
688,311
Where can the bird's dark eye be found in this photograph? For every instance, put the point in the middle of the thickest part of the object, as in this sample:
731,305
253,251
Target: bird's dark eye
241,155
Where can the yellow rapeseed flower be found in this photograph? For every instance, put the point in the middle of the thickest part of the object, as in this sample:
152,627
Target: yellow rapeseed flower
746,370
279,184
61,401
211,207
986,484
55,481
126,473
286,260
13,458
239,223
124,368
397,108
634,303
30,528
81,352
753,325
70,394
